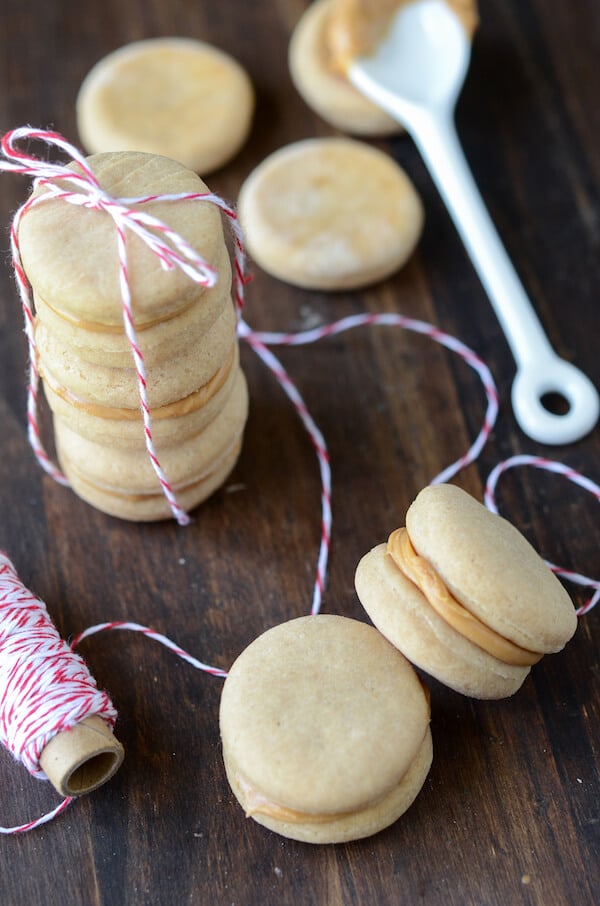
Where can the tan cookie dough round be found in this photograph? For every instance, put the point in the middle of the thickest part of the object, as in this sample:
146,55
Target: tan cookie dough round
330,214
323,87
325,730
70,255
464,595
177,97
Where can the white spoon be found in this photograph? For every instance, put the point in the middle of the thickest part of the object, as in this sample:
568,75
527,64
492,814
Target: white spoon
416,75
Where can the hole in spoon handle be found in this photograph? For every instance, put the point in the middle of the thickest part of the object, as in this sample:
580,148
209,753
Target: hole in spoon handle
554,376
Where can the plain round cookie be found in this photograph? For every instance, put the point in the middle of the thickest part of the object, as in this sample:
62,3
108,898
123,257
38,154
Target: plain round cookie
330,214
491,570
326,91
325,730
177,97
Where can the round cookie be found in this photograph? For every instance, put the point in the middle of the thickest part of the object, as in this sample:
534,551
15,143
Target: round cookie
464,595
166,338
330,214
167,381
325,89
177,97
325,730
69,252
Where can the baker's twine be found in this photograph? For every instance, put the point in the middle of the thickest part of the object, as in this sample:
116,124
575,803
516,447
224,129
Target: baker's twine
18,606
558,468
45,687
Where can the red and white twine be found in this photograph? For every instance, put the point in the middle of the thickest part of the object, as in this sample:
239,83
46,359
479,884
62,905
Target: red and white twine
558,468
44,685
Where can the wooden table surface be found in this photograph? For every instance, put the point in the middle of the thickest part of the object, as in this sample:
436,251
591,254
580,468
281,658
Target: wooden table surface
509,813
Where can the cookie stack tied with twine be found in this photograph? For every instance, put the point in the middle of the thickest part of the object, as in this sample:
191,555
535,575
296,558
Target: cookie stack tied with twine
137,350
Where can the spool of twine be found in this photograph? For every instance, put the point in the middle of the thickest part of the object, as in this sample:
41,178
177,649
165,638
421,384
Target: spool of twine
53,718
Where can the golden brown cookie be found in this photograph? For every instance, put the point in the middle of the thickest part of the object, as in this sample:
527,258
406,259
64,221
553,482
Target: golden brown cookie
130,471
70,252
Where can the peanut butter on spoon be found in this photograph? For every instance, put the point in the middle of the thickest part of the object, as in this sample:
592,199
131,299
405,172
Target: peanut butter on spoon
356,27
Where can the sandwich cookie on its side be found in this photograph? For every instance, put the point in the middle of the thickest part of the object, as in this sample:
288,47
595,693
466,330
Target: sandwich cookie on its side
325,730
464,596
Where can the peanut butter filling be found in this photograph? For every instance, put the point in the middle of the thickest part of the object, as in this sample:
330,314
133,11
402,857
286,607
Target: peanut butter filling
428,581
185,406
357,27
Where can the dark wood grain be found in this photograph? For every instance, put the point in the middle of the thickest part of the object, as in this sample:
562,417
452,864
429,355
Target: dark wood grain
509,813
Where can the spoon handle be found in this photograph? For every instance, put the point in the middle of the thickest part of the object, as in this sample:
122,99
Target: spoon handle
539,369
435,136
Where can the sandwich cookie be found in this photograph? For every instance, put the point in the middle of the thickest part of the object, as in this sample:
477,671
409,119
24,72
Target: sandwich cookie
325,730
130,471
177,97
70,254
122,428
330,214
185,333
464,596
168,379
165,338
151,507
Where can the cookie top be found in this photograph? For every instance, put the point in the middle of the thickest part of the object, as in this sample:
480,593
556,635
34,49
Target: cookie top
490,568
330,213
322,715
70,255
177,97
323,87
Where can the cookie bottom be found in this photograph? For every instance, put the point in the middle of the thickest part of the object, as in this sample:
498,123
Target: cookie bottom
152,507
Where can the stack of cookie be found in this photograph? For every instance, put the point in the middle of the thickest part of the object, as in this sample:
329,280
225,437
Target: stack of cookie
196,391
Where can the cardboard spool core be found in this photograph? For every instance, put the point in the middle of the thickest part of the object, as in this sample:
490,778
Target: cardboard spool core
82,758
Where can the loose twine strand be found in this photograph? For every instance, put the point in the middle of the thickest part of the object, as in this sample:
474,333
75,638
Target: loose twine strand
33,657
